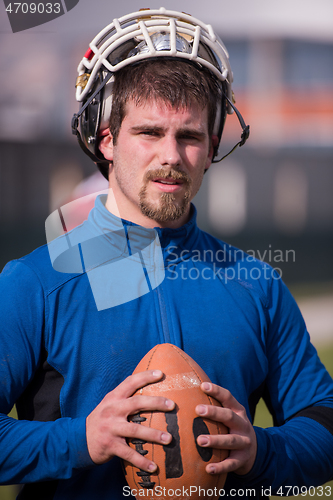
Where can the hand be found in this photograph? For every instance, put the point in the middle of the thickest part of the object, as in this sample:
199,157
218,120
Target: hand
107,426
241,440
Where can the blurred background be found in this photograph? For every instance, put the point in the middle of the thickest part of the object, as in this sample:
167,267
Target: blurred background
273,197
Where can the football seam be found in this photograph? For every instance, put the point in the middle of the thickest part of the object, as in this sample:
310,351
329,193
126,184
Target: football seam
211,401
193,368
177,349
200,379
209,397
151,357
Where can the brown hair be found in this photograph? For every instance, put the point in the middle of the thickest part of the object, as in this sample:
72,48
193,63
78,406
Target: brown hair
180,83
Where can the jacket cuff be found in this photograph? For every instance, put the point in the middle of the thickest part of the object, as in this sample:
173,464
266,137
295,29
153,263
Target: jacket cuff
259,463
80,454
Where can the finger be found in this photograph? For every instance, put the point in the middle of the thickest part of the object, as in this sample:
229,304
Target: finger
134,382
223,441
130,455
222,395
138,404
134,431
224,467
149,403
224,415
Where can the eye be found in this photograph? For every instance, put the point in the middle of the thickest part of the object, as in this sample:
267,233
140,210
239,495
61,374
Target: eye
149,133
189,137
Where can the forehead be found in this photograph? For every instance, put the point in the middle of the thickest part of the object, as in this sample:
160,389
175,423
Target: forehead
164,113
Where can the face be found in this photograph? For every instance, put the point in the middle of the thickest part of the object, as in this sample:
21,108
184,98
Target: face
158,162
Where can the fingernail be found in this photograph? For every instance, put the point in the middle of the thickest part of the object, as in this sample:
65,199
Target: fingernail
206,386
203,441
211,470
152,467
157,373
165,437
201,409
169,403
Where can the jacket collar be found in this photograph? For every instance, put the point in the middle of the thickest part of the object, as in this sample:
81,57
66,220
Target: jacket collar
183,237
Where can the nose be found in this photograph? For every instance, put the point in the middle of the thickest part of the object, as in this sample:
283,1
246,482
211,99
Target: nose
169,152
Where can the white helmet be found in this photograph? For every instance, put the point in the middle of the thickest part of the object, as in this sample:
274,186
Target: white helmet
148,33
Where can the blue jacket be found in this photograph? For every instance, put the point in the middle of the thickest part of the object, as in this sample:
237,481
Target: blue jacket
64,347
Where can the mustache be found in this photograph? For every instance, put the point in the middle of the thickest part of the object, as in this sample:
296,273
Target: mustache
169,173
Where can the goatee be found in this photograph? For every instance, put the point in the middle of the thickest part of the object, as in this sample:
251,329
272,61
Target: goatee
167,208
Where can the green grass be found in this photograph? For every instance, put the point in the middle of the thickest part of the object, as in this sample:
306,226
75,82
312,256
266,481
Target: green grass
306,290
262,419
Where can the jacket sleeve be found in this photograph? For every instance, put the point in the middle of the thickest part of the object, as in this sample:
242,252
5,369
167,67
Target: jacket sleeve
298,450
30,450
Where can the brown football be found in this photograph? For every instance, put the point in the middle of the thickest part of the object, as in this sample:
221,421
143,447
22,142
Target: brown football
181,464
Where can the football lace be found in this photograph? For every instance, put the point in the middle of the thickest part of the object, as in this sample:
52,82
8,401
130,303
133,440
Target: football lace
145,476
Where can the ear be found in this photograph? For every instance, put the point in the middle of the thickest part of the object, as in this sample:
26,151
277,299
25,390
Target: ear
106,146
213,144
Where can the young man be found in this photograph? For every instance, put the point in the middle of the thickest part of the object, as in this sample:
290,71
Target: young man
69,351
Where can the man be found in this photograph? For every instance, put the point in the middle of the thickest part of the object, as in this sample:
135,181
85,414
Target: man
70,343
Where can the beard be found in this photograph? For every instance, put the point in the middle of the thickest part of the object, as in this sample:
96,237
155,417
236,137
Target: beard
167,208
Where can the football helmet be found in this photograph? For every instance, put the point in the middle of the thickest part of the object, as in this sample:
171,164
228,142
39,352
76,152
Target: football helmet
148,33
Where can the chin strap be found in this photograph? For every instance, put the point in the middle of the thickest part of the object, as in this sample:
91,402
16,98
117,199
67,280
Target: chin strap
245,132
76,116
102,165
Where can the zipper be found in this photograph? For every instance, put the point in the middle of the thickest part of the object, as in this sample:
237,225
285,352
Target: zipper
163,314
